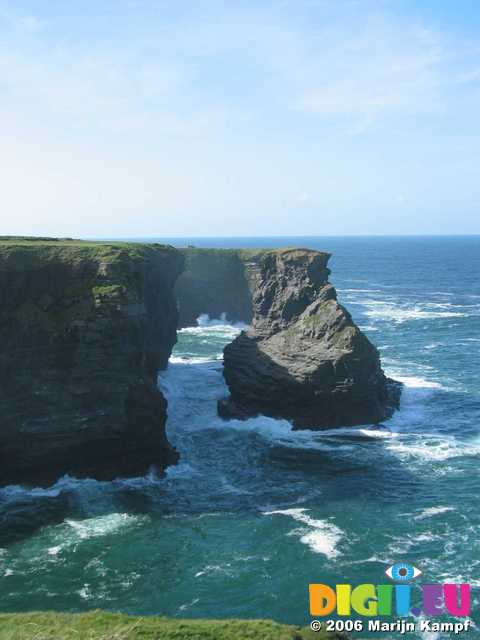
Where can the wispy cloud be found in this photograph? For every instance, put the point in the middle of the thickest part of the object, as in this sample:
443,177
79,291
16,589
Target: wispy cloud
379,72
174,114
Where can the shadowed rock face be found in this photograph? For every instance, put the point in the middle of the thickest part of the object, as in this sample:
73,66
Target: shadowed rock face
303,359
85,329
213,282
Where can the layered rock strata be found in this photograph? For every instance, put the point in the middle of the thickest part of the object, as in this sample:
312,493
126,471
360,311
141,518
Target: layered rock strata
85,329
303,358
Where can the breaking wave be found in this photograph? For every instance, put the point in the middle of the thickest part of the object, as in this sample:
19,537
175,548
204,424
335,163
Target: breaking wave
399,314
322,537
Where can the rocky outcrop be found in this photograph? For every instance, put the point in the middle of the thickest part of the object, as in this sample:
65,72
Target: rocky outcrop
85,328
303,358
22,514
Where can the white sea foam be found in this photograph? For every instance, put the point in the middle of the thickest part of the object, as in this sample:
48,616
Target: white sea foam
66,483
186,359
432,449
358,432
415,382
53,551
411,375
367,327
215,326
102,525
281,433
14,492
181,471
323,536
427,537
74,532
433,345
432,511
86,593
384,310
204,320
184,607
217,568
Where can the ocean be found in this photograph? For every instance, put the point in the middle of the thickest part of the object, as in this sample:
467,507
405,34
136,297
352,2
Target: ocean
254,512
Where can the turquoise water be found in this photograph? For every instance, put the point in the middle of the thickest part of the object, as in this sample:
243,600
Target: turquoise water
254,512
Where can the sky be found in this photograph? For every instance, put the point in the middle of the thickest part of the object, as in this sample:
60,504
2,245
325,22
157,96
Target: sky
124,118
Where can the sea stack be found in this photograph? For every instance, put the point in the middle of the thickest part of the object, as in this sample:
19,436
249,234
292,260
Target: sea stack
303,359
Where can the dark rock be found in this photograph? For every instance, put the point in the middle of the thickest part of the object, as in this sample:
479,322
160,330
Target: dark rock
22,515
85,328
214,282
303,359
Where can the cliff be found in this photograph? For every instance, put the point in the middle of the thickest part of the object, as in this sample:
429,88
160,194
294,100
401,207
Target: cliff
214,281
85,328
303,358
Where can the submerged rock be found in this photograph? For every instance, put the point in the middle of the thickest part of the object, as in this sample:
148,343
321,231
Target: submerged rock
85,328
303,358
22,514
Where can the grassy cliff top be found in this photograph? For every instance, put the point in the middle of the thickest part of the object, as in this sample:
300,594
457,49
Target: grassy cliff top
24,251
74,243
107,246
200,252
191,253
98,625
29,252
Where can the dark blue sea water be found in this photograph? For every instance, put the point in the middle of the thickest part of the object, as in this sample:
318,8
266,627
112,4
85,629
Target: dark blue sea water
255,512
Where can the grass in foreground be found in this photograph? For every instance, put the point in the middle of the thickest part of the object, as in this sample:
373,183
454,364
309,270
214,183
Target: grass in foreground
99,625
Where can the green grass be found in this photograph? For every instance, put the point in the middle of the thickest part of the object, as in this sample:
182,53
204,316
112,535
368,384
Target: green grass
24,253
99,625
29,241
195,256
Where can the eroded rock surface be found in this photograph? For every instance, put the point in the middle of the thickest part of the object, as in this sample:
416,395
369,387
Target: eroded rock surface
303,358
85,329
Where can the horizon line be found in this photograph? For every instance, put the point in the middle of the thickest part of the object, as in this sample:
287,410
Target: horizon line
328,235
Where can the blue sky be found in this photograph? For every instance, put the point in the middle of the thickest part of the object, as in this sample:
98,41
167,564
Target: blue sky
206,117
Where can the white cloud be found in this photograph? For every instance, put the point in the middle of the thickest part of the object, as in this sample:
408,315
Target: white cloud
228,116
369,73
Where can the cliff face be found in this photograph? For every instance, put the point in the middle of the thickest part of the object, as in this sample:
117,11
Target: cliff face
303,359
214,281
85,328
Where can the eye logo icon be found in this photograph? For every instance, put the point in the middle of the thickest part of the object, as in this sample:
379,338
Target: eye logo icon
402,572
